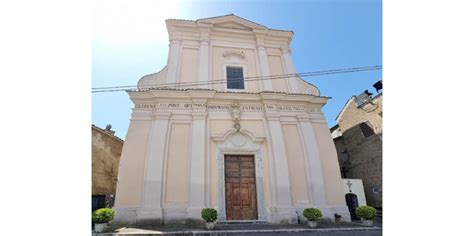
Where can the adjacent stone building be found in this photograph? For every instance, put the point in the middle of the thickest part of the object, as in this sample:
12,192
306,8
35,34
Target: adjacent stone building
106,151
358,140
226,124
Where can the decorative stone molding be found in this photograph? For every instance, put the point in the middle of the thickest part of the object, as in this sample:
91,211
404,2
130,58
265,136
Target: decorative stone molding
239,54
225,135
311,91
231,18
233,142
285,49
153,80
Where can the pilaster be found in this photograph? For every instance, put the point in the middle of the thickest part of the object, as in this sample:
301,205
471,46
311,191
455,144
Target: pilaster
263,59
151,212
173,61
318,189
293,81
284,212
204,54
197,193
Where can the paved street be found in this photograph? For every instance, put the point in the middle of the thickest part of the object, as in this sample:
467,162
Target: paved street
345,229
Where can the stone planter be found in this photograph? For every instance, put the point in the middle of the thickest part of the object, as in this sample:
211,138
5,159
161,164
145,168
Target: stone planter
210,225
100,227
367,222
312,224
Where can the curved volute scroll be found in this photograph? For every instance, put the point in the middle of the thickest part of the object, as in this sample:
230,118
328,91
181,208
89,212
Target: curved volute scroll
153,80
307,88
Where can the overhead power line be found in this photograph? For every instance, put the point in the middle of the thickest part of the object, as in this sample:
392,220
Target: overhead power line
246,79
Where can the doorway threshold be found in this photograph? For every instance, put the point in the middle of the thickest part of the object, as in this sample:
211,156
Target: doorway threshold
242,222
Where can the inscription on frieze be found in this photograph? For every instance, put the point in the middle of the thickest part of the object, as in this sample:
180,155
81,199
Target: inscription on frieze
224,107
145,106
291,108
251,108
218,107
270,107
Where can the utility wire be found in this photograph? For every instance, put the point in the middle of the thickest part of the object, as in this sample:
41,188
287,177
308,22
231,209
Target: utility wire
250,77
246,79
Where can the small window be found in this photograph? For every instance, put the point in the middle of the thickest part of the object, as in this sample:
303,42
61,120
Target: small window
345,157
375,190
235,78
367,129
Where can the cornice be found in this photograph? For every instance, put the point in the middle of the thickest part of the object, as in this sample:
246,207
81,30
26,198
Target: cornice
147,96
175,26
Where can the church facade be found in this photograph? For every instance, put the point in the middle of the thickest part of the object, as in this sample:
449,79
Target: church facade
225,125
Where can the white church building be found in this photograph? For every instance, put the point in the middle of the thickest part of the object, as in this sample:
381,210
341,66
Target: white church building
225,125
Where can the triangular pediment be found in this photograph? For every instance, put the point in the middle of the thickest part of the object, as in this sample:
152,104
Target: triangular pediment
232,21
232,25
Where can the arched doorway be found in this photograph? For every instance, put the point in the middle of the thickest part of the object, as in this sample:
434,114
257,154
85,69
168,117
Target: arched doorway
352,203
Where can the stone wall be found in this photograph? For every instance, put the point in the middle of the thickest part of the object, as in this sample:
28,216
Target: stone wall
365,162
106,150
365,153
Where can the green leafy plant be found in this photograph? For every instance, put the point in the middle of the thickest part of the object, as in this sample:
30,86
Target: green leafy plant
312,214
209,214
103,215
366,212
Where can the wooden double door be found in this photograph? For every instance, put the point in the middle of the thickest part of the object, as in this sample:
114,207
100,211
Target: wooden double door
240,188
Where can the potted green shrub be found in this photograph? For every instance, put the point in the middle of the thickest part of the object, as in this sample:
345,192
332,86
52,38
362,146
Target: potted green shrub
313,215
366,214
210,216
101,217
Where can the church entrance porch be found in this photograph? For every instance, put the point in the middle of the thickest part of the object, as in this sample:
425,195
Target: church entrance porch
240,188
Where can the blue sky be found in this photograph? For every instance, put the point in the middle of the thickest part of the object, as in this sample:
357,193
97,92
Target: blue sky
130,40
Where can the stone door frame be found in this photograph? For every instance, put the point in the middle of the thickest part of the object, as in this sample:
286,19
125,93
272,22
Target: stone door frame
239,143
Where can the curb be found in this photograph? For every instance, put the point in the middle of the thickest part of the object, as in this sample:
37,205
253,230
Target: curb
218,232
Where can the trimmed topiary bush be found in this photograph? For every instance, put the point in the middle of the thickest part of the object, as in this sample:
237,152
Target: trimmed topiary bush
312,214
209,214
366,212
103,215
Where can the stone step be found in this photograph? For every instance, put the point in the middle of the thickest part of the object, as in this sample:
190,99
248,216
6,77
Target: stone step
373,231
228,222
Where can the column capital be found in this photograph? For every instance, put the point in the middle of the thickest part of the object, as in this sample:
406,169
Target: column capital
260,33
161,115
272,117
303,117
260,39
204,37
175,39
285,50
199,115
